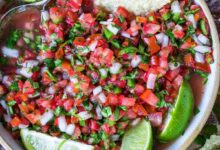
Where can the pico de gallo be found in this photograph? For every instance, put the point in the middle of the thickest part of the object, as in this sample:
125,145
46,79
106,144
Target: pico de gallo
88,74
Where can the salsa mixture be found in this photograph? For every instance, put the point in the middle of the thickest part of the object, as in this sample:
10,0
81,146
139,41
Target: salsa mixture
87,74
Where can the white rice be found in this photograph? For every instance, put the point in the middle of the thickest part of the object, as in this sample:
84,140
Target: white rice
138,7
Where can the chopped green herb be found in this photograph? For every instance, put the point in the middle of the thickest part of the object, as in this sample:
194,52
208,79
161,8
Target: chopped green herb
86,105
131,83
4,60
176,17
123,108
116,113
11,103
121,18
128,50
49,63
76,30
106,112
166,16
101,16
13,37
117,90
107,34
58,62
58,111
115,43
161,95
169,33
82,123
26,40
52,77
14,86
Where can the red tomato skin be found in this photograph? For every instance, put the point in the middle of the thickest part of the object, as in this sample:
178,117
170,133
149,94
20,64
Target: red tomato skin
125,101
149,97
151,28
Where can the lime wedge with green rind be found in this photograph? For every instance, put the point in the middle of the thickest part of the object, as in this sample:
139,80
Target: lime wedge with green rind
139,137
33,140
180,115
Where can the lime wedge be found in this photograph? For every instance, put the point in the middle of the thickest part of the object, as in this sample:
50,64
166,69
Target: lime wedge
179,116
38,141
139,137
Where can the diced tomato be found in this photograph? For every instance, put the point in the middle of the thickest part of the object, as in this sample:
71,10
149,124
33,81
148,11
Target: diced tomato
61,2
164,62
149,97
203,67
15,122
188,60
152,44
27,88
2,90
68,104
79,41
126,101
151,28
178,32
45,128
102,56
59,53
139,89
57,14
19,97
131,114
44,103
77,132
94,125
23,108
154,60
188,44
106,128
123,12
46,54
113,99
144,67
74,5
112,130
33,118
141,19
71,17
140,110
177,81
87,20
155,119
171,74
29,55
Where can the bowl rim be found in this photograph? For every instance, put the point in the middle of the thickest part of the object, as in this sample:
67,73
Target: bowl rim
9,143
210,91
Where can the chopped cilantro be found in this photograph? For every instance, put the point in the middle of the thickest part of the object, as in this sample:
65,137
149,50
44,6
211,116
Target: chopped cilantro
121,18
58,111
82,123
14,86
107,34
11,103
106,112
58,62
13,38
116,113
49,63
